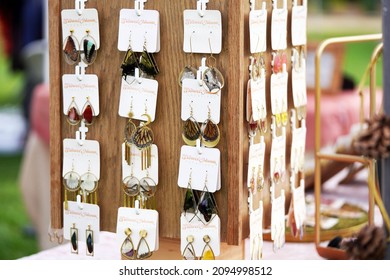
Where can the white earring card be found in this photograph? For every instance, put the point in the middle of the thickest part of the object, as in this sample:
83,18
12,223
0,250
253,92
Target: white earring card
299,25
80,25
258,30
202,34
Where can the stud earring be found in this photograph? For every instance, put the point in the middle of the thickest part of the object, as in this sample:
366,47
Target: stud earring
207,253
127,248
189,251
73,116
70,49
74,237
129,63
88,45
191,129
190,200
210,132
88,113
89,241
147,63
143,250
212,78
143,139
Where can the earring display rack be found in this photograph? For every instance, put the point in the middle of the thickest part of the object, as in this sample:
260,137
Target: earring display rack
108,126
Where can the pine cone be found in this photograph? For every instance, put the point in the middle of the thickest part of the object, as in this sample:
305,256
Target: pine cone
374,142
370,244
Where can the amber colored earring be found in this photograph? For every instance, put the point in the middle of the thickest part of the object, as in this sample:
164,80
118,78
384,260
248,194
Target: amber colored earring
191,129
88,113
207,253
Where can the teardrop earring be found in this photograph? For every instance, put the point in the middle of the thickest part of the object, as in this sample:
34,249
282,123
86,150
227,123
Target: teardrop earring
189,251
89,51
143,250
213,80
191,129
147,63
70,49
127,248
210,132
188,72
190,200
207,206
73,116
207,253
88,113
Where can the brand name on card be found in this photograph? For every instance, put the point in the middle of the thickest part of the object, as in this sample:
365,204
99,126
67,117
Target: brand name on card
202,160
138,21
138,89
81,20
200,90
198,226
80,214
201,22
135,220
79,86
257,21
80,151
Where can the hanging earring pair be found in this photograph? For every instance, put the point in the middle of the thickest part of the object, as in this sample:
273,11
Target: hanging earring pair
87,114
207,206
144,61
189,251
209,131
142,251
73,50
74,240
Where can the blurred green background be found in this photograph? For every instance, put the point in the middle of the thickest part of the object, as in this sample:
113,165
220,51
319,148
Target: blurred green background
327,18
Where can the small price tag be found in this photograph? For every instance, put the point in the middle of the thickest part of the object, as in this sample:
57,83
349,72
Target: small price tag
79,92
200,166
80,25
198,230
141,97
202,34
81,159
139,30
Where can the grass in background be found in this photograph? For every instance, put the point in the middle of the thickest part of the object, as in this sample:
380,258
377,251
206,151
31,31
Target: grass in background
14,242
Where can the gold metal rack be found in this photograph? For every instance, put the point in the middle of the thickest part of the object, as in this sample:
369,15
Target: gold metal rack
327,252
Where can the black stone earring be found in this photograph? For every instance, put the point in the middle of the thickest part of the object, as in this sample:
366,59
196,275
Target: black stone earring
89,241
74,237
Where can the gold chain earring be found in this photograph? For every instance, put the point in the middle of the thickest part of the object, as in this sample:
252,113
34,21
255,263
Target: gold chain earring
129,133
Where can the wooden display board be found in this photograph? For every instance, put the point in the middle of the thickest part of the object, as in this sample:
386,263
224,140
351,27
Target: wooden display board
108,128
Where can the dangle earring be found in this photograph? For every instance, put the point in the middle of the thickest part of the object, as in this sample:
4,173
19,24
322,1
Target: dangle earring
89,184
73,116
207,206
190,200
131,188
191,130
276,176
212,78
88,113
210,132
143,250
148,188
207,253
252,183
147,63
70,49
89,241
71,180
260,178
89,51
189,251
129,63
143,139
129,133
74,237
127,248
188,72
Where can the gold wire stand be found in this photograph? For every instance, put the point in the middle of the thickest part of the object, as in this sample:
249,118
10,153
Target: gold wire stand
370,164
